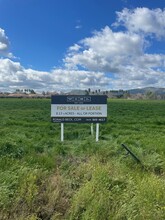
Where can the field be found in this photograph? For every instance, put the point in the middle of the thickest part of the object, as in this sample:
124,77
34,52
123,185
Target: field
80,179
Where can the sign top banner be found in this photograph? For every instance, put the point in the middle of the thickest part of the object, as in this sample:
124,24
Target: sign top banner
79,99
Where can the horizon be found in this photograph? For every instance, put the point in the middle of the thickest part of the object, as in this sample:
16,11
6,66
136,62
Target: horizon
28,91
65,45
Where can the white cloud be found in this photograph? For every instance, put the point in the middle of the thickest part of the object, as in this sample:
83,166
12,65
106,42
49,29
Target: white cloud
4,44
134,77
123,54
150,61
106,51
143,20
75,47
78,26
13,75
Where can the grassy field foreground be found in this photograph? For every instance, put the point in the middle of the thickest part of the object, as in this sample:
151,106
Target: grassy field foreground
42,178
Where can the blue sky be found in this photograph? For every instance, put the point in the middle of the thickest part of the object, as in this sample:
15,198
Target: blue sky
55,45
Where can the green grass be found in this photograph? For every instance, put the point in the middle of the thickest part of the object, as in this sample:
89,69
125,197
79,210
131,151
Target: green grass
42,178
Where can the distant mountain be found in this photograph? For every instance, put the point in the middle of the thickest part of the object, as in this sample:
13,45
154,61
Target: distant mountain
158,91
77,92
142,91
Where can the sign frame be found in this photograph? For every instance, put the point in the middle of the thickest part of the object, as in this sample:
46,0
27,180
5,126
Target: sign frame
79,108
69,108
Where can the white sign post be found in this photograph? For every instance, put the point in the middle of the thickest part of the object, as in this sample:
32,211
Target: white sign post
62,132
92,129
97,132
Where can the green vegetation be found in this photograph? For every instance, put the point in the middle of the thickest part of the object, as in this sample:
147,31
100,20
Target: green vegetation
42,178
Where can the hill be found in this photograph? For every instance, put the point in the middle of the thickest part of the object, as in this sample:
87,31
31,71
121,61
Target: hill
157,91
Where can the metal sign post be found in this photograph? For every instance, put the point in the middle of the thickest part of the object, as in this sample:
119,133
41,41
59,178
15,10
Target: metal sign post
97,132
62,131
92,132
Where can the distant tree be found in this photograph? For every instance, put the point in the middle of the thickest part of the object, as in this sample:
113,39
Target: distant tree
32,91
150,95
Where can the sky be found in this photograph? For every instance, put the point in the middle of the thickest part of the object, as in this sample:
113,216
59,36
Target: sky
60,45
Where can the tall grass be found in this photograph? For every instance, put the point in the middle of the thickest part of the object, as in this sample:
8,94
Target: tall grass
42,178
